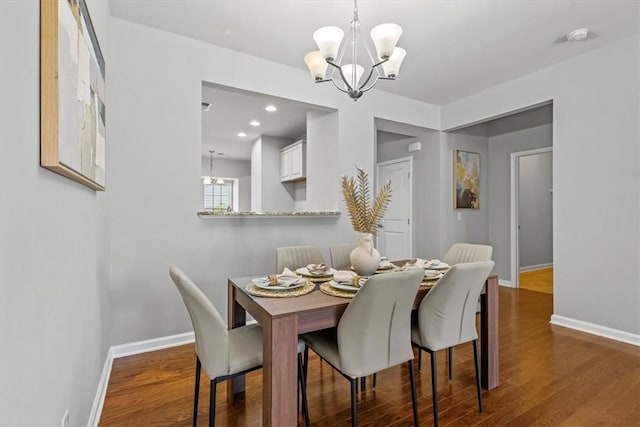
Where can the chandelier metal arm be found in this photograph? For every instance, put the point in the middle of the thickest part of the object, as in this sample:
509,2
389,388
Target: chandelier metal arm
344,79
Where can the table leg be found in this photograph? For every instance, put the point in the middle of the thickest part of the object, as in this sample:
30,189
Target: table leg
489,335
236,317
280,365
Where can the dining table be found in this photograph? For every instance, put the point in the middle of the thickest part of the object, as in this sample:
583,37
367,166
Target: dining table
283,319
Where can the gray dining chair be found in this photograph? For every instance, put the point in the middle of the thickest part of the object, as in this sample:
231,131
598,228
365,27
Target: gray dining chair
224,354
467,252
373,333
339,255
293,257
459,253
446,318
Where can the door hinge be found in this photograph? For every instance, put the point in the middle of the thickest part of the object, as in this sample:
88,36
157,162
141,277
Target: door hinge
408,221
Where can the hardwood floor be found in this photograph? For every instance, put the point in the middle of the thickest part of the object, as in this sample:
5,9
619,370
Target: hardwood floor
550,376
537,280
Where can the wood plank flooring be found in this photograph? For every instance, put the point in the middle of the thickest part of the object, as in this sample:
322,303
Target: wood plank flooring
537,280
550,376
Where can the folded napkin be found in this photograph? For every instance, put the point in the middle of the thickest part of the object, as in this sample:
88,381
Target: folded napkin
347,278
431,274
318,269
385,264
421,263
286,278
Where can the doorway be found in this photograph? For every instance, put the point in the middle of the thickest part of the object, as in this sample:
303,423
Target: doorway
394,234
531,219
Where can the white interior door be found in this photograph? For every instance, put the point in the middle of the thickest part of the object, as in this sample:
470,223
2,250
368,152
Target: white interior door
394,236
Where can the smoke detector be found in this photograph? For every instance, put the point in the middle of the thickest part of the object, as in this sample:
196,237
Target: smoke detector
578,35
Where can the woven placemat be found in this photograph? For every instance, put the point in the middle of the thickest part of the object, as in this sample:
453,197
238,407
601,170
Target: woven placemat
286,293
330,290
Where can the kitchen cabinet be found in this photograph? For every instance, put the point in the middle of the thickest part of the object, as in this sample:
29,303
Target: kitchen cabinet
293,162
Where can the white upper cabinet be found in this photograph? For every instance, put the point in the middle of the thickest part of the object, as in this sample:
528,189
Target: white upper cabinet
293,160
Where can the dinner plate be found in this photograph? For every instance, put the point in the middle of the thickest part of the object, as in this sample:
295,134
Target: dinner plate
305,272
440,266
340,286
433,276
263,282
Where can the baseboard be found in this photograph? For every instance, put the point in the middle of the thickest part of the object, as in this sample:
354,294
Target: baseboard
98,401
152,344
130,349
591,328
536,267
506,283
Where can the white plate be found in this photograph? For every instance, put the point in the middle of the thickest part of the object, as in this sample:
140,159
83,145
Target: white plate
439,266
305,272
263,282
432,276
349,288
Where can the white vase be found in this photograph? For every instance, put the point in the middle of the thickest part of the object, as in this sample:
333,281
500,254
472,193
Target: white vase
365,259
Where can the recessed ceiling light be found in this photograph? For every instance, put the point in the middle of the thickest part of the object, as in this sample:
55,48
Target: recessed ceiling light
578,35
271,108
254,123
242,134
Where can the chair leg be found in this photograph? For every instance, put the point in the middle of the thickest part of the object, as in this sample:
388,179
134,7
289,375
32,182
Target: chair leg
196,392
414,399
363,384
477,364
419,359
212,404
305,365
303,390
354,408
375,380
434,387
450,351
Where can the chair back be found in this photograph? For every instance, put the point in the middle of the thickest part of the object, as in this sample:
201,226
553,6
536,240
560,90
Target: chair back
294,257
467,252
375,330
447,314
212,337
340,255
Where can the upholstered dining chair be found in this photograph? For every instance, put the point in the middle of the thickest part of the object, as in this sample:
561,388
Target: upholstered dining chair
224,354
459,253
467,252
294,257
340,255
446,317
373,333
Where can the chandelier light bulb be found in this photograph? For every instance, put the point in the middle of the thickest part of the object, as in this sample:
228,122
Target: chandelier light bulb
392,66
328,40
385,37
317,64
348,71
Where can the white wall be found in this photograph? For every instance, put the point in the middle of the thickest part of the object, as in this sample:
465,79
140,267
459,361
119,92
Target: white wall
276,196
472,227
153,230
54,247
322,148
596,174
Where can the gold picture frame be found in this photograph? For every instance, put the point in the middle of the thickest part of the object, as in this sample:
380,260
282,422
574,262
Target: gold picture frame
466,180
72,93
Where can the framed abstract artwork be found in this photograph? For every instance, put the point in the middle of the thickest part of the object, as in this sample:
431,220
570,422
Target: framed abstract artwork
466,180
72,93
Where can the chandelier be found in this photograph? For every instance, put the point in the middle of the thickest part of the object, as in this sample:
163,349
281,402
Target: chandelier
209,179
348,76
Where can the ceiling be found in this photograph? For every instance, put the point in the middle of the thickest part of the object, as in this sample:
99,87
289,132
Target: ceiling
231,111
454,48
